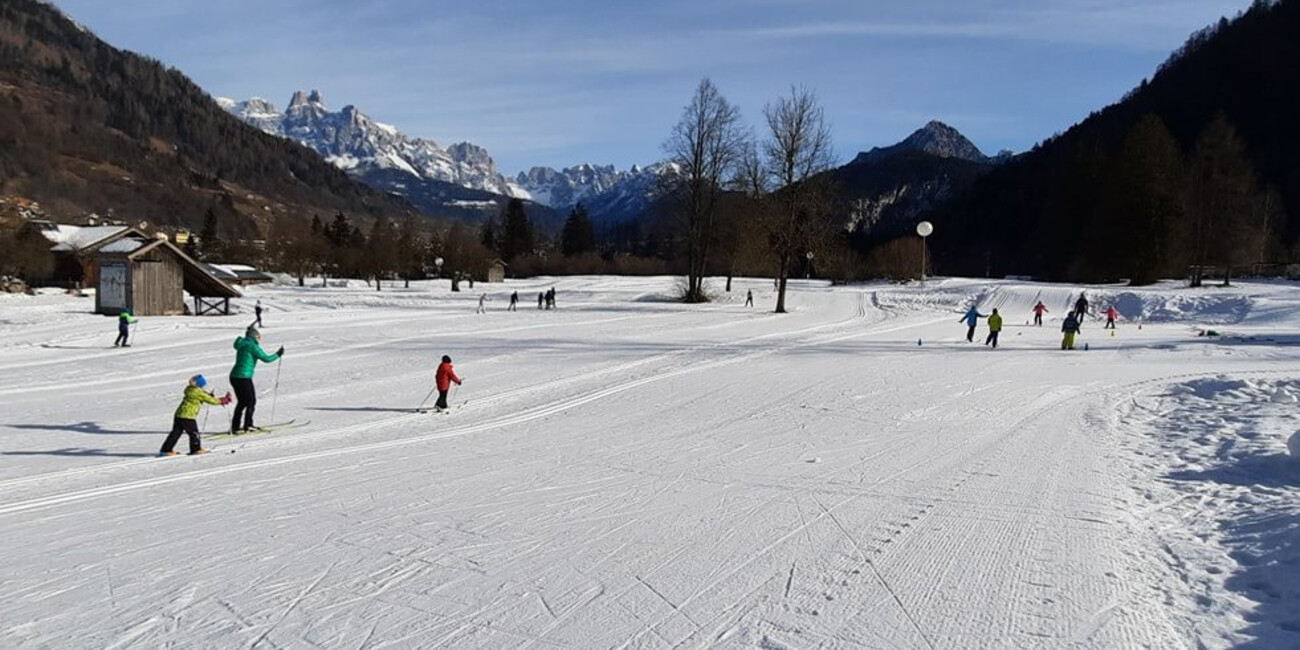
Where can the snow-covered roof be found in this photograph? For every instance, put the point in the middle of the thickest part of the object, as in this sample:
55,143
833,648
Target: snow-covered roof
235,271
75,238
124,245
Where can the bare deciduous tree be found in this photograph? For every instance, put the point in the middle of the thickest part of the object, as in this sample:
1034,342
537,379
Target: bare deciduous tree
704,147
797,150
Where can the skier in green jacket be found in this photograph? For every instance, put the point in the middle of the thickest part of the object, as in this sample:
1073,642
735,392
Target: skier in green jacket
248,352
124,320
186,419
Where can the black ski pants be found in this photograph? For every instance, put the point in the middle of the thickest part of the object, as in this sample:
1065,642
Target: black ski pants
1038,320
970,334
442,400
186,426
123,335
245,403
1110,323
993,338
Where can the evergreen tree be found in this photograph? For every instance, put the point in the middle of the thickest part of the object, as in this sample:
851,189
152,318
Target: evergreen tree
209,244
578,235
1150,202
1222,191
488,235
518,238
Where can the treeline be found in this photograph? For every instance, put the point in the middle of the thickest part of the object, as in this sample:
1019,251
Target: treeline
1195,171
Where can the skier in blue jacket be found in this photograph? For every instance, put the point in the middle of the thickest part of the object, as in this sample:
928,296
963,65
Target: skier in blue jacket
971,319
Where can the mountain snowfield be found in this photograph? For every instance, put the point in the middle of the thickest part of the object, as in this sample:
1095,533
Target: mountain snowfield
352,141
629,472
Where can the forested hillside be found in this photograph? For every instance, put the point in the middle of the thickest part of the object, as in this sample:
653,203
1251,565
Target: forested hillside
87,127
1197,167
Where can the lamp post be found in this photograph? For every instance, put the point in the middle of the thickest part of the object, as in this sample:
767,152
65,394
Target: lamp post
437,263
807,272
924,229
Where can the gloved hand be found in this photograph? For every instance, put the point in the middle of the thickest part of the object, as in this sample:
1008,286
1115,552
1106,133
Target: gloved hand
225,399
460,381
280,352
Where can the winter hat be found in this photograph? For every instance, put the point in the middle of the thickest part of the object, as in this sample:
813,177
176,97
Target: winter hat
199,380
252,332
446,359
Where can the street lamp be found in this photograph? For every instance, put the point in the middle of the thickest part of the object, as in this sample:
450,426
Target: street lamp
437,262
924,229
807,272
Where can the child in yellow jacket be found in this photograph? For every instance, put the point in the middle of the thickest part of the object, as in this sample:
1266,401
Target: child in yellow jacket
187,414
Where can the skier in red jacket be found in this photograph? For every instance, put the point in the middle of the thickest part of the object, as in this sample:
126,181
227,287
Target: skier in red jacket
1039,310
1112,315
445,375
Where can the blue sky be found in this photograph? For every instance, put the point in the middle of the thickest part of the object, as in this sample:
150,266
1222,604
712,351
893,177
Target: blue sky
566,82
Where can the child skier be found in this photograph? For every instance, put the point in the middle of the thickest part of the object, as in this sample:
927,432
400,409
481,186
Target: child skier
1080,308
443,378
1039,310
124,320
186,416
995,327
1112,315
971,319
749,298
1070,327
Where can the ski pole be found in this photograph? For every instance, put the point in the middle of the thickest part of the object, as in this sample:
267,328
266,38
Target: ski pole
275,395
426,399
134,327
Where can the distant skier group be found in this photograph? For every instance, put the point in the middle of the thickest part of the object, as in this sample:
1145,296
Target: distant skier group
1070,326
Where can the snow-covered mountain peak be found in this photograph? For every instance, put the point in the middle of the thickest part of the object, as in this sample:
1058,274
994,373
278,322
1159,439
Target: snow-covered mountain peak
353,141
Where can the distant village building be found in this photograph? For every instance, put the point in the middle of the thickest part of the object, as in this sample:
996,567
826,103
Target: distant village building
76,249
239,274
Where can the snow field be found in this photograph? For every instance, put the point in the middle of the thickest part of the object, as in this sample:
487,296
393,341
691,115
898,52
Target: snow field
631,473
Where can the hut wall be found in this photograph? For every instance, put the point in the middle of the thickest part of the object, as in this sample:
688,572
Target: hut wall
158,285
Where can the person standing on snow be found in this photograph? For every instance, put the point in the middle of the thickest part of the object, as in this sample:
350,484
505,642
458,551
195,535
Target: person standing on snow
1080,308
541,298
1039,310
971,319
481,309
995,327
514,302
1112,315
186,418
248,351
749,298
443,378
257,309
1070,327
124,320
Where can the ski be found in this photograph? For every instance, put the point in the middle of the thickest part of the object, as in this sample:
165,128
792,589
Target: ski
270,428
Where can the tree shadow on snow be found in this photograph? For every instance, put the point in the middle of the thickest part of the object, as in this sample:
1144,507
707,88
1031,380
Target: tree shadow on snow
78,427
1265,543
80,452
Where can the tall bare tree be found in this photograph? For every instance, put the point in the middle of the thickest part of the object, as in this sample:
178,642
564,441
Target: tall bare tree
796,151
704,147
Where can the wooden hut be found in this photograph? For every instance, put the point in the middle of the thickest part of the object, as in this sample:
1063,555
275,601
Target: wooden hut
496,271
152,277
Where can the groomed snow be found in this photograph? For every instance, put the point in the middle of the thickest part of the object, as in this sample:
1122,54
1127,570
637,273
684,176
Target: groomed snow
629,472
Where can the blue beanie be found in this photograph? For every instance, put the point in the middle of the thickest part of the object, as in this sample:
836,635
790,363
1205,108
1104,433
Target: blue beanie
200,381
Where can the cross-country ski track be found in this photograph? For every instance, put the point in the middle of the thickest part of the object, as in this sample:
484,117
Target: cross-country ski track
628,472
